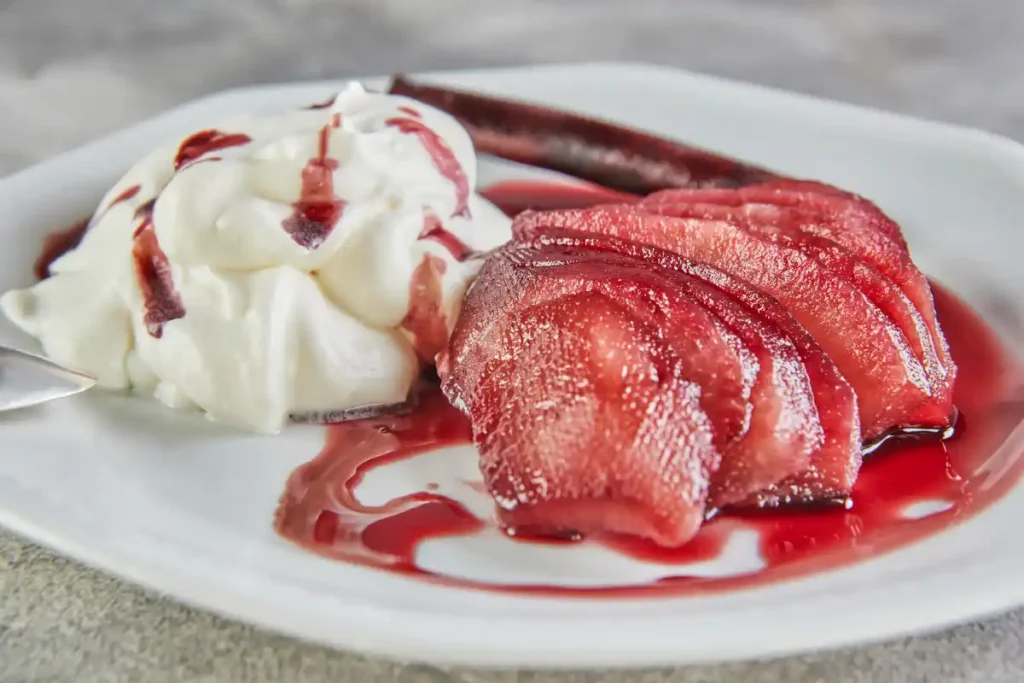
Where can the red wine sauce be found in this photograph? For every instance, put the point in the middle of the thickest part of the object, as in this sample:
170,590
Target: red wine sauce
434,230
55,245
425,320
958,477
409,111
318,209
189,152
320,511
127,194
160,299
61,242
196,145
516,196
444,160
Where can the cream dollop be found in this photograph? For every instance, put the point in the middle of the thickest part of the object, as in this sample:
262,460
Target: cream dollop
305,262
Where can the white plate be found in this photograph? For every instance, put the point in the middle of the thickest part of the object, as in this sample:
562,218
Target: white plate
184,506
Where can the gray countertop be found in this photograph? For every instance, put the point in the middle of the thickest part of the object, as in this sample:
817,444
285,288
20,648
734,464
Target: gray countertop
73,69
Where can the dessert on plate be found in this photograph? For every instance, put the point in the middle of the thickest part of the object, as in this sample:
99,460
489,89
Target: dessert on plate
731,339
699,337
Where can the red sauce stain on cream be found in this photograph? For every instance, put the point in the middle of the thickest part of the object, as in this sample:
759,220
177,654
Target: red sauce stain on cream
409,111
55,245
198,144
58,243
160,299
129,193
441,155
61,242
425,320
435,231
318,209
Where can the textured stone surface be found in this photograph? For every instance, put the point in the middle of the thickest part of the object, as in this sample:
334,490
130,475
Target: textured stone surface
73,69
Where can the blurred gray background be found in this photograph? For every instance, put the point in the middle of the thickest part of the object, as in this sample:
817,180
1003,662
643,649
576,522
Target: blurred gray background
73,69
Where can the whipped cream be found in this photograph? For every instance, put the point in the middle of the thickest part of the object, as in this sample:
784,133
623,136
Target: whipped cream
306,262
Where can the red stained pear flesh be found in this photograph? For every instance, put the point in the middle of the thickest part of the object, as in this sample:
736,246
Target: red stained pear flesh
783,432
851,209
583,416
825,242
851,222
710,354
867,347
782,319
835,464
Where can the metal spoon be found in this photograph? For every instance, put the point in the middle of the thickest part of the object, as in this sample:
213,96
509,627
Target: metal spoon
28,380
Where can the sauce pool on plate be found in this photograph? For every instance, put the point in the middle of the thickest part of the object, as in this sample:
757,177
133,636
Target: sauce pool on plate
911,486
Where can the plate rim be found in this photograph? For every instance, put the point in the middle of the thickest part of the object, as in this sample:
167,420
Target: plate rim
993,142
373,632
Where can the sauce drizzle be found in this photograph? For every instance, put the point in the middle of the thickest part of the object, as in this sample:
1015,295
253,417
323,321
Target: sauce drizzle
319,505
434,230
198,144
318,209
425,321
160,299
441,155
55,245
